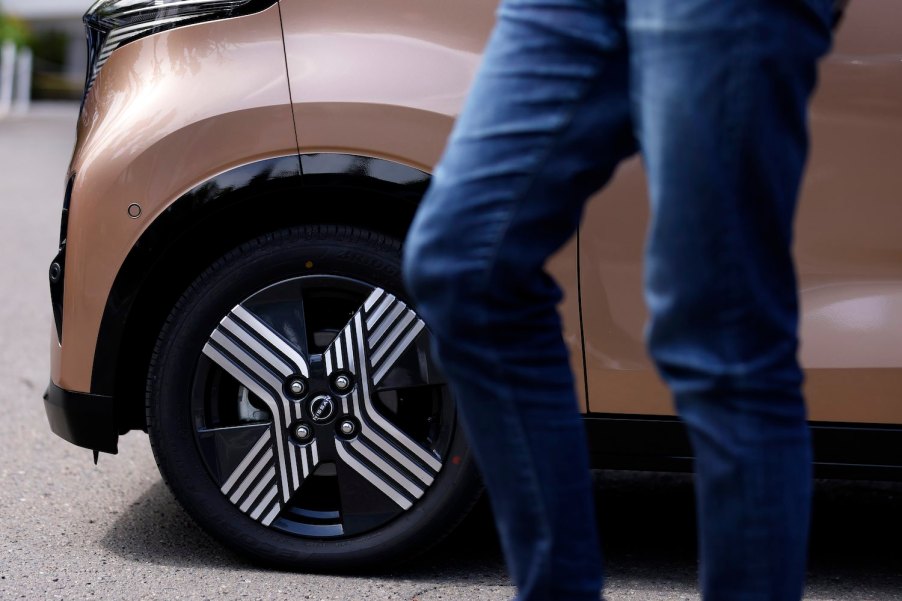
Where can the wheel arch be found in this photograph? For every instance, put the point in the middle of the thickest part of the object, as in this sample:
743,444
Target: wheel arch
219,214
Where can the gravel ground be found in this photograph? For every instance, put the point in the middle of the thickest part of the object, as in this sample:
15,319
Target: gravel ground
70,530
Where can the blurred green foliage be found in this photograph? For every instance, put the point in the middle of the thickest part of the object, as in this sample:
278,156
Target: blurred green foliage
15,30
50,47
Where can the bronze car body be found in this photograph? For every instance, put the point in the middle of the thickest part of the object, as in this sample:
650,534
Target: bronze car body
304,113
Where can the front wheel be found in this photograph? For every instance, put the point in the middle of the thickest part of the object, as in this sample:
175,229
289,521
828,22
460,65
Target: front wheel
295,411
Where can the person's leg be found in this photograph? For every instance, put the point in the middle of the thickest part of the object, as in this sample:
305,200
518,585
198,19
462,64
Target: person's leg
721,92
544,126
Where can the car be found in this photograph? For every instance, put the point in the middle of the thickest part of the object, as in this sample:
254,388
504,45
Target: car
228,274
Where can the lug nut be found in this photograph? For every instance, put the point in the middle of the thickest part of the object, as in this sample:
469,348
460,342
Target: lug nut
347,427
297,387
303,432
342,382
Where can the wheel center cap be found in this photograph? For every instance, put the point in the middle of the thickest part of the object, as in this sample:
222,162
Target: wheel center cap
322,409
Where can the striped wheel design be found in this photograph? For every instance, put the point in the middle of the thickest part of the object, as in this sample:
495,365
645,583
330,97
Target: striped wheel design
332,460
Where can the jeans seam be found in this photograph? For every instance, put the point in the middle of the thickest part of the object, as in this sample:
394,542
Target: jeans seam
733,267
741,107
508,397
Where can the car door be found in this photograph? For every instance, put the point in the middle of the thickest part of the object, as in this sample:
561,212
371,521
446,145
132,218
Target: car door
848,246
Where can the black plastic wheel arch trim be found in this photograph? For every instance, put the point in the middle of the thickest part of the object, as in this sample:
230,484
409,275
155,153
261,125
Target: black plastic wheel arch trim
85,420
286,175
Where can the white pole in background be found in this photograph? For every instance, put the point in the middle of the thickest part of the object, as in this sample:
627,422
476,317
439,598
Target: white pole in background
23,80
7,73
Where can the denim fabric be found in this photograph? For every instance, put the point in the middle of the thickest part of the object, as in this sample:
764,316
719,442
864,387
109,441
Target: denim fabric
714,94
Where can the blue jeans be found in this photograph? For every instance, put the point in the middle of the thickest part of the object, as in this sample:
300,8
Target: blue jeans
714,94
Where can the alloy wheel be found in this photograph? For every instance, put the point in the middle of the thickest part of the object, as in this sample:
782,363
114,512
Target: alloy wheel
318,410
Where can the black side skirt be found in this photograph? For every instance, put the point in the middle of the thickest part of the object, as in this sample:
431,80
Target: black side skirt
636,442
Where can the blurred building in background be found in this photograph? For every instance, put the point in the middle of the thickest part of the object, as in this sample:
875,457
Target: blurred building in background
56,36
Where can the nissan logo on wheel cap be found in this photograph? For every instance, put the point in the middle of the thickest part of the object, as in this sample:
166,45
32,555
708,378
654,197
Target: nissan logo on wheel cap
322,409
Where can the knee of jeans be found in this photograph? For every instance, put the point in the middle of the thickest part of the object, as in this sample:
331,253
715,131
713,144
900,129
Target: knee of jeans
710,352
444,277
684,333
417,270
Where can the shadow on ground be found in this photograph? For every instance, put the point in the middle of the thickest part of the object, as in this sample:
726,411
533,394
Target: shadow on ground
647,524
855,539
155,529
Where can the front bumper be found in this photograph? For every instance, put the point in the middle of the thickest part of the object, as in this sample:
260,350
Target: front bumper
86,420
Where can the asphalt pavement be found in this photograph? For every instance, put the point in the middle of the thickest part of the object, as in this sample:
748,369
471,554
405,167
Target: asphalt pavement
72,530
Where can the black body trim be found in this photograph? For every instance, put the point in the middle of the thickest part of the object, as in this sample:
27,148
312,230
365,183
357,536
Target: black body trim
333,170
57,271
86,420
56,274
285,178
638,442
660,443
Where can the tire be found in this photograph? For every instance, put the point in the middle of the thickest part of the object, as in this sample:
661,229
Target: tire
346,474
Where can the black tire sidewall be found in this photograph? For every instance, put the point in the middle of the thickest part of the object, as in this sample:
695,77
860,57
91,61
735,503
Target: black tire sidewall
351,252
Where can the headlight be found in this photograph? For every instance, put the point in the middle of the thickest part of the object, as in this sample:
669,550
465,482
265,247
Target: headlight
114,23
